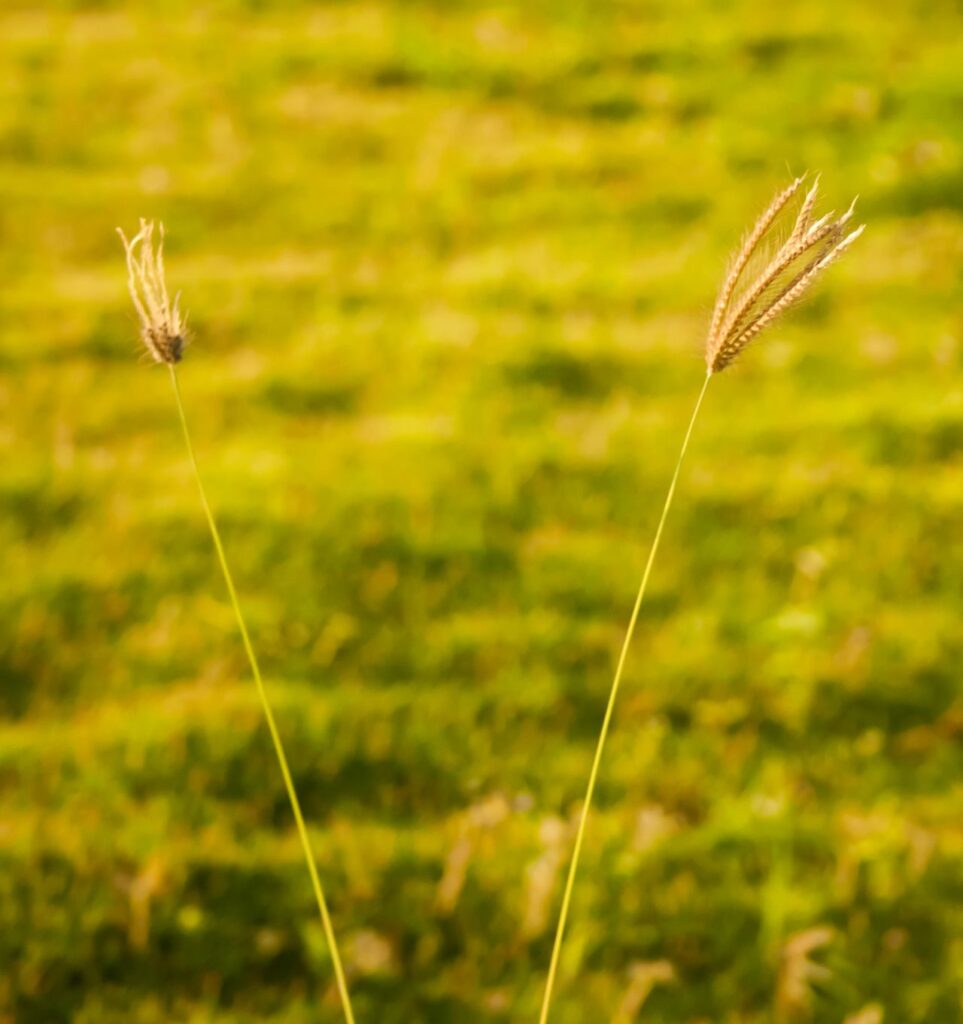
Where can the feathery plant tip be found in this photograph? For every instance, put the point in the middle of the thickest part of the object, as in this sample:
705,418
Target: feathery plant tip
773,269
163,334
162,327
779,259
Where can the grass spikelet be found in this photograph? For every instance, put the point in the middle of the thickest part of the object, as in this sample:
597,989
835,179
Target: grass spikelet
770,272
747,304
162,331
749,246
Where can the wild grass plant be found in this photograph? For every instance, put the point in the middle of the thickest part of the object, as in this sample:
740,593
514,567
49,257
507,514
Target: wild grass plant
164,334
773,269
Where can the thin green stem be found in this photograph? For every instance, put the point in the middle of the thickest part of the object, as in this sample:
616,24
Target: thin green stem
268,714
607,720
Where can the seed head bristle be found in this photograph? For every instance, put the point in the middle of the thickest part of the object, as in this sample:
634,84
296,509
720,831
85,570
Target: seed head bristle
162,326
804,217
742,312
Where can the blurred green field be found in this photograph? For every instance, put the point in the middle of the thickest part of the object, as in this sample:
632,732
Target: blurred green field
448,267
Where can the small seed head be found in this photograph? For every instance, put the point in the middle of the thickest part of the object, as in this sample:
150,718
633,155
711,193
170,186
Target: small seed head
162,326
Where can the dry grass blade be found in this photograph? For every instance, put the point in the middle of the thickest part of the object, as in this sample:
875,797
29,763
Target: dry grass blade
748,303
799,973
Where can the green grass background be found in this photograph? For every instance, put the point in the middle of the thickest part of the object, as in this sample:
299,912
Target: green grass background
448,267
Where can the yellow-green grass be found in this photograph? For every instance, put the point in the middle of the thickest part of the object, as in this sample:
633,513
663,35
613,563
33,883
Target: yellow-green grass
449,267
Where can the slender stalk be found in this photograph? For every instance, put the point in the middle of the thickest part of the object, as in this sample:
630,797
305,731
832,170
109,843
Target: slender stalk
610,708
268,713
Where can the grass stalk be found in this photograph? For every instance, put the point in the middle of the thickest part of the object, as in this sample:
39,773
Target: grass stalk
609,711
268,713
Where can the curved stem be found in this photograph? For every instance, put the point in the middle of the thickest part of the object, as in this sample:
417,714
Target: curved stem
610,708
268,714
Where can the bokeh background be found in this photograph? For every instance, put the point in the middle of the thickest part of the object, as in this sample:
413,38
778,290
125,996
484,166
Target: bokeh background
448,267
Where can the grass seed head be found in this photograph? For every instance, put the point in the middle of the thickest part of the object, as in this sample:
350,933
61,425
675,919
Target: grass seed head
162,327
773,269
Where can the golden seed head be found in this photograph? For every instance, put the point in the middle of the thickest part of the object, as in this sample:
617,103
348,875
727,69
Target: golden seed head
162,327
772,270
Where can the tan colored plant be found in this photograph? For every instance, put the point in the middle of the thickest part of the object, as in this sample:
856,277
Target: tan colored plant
162,328
775,266
163,333
750,301
644,978
799,973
